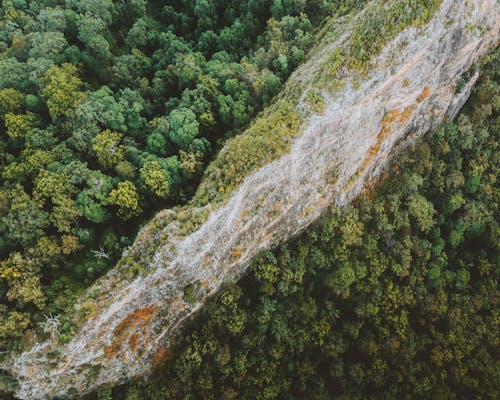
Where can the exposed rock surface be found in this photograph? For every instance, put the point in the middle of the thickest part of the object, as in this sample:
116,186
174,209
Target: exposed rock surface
411,87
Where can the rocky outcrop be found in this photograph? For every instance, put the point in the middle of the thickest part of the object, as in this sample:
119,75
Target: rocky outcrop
421,77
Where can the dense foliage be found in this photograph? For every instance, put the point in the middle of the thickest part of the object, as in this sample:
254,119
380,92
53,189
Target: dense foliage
394,297
109,110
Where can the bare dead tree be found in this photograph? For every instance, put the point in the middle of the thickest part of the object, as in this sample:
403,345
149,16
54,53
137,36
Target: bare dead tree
100,254
51,325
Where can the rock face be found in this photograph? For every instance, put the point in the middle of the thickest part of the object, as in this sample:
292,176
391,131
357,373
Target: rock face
412,86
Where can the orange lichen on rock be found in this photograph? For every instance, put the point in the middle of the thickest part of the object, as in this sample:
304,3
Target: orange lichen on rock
406,114
112,351
237,252
130,330
422,96
133,341
393,116
397,116
139,318
390,117
321,202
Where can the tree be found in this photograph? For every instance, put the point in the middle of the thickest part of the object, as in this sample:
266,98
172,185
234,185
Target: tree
138,35
108,149
93,200
157,144
183,127
423,211
189,69
126,198
91,209
49,185
129,70
69,244
19,124
64,213
103,9
33,103
25,221
102,109
23,277
47,45
133,9
205,10
61,89
12,325
11,101
90,32
47,250
14,74
51,20
155,178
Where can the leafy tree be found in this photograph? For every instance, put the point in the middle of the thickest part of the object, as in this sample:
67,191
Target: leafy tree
61,89
69,244
157,144
22,275
126,198
18,125
12,324
90,32
155,178
47,250
26,221
14,74
47,45
51,19
104,9
64,213
139,34
183,127
108,148
11,101
423,212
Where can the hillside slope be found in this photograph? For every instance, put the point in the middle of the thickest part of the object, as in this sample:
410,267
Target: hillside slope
330,133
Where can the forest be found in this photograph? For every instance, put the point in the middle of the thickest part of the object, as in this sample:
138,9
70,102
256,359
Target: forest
111,111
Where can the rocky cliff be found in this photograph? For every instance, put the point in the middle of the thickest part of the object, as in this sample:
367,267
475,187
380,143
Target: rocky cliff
349,121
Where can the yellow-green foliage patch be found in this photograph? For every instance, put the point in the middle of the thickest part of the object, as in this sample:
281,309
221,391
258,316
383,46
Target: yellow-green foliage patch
381,22
315,101
326,77
264,141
